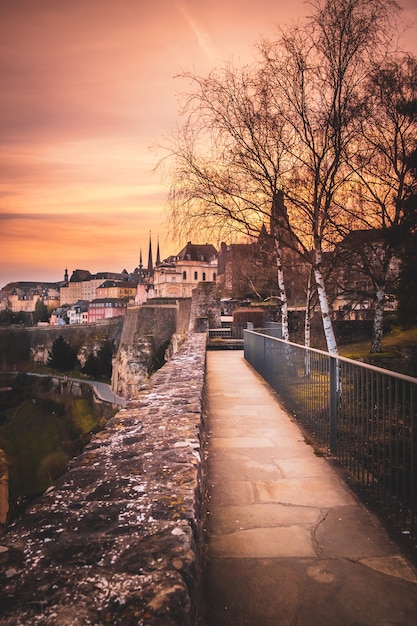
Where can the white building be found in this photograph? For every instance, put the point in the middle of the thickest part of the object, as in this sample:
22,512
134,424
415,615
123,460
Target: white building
78,313
177,276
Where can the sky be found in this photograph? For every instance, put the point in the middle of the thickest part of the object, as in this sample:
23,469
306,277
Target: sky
88,89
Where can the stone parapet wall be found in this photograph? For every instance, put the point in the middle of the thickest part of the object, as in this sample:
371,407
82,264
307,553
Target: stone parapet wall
117,539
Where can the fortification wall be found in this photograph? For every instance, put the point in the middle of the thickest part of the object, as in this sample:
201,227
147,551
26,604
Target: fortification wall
150,334
116,540
21,347
144,338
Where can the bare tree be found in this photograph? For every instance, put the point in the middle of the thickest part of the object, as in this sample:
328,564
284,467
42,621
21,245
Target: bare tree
227,161
384,176
289,124
318,72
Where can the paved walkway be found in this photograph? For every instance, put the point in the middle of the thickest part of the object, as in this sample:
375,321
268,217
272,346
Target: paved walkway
288,543
102,390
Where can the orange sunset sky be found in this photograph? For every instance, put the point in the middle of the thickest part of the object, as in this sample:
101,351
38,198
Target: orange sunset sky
87,87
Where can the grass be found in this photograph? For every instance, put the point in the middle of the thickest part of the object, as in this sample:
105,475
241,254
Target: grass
399,350
393,342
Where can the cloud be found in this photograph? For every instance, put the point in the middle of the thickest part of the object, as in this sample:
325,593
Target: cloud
86,88
202,36
48,243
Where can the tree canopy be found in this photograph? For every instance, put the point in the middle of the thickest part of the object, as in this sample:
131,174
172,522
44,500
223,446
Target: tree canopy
62,357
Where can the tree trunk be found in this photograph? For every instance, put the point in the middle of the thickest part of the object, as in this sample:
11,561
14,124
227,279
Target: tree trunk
307,327
307,319
378,326
282,291
324,304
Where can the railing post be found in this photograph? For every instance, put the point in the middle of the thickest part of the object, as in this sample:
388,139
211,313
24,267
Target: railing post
333,404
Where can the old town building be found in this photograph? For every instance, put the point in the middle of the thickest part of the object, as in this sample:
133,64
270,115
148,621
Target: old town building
103,308
22,296
83,285
117,289
177,276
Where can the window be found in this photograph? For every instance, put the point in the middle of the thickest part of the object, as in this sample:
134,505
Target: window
204,276
214,277
195,276
184,275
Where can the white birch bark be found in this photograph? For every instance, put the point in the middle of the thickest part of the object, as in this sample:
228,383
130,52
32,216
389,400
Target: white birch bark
324,305
282,291
307,320
307,327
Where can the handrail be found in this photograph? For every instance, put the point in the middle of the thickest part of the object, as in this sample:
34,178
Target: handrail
365,416
337,357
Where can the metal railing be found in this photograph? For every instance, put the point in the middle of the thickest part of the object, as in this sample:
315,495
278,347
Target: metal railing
220,333
363,415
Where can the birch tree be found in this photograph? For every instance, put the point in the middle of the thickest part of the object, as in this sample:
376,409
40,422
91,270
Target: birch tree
289,125
318,72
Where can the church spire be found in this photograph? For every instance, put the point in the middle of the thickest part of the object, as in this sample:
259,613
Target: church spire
150,263
158,256
140,259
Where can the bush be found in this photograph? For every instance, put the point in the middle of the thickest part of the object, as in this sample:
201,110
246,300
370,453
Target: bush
62,357
99,366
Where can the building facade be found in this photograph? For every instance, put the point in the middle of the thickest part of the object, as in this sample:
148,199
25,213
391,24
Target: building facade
177,276
83,285
103,308
23,296
362,262
116,289
78,313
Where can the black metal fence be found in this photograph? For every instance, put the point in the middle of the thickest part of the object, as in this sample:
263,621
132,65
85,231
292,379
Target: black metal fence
363,415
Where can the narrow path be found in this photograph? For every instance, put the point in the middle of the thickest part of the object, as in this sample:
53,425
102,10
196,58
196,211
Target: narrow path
288,544
103,390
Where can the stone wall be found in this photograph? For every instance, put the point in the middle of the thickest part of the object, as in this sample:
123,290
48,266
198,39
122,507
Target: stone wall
4,490
117,539
205,308
150,333
20,348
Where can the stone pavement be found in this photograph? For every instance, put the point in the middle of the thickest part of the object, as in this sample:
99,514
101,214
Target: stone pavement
288,544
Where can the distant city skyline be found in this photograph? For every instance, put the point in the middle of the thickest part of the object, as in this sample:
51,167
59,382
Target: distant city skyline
88,88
